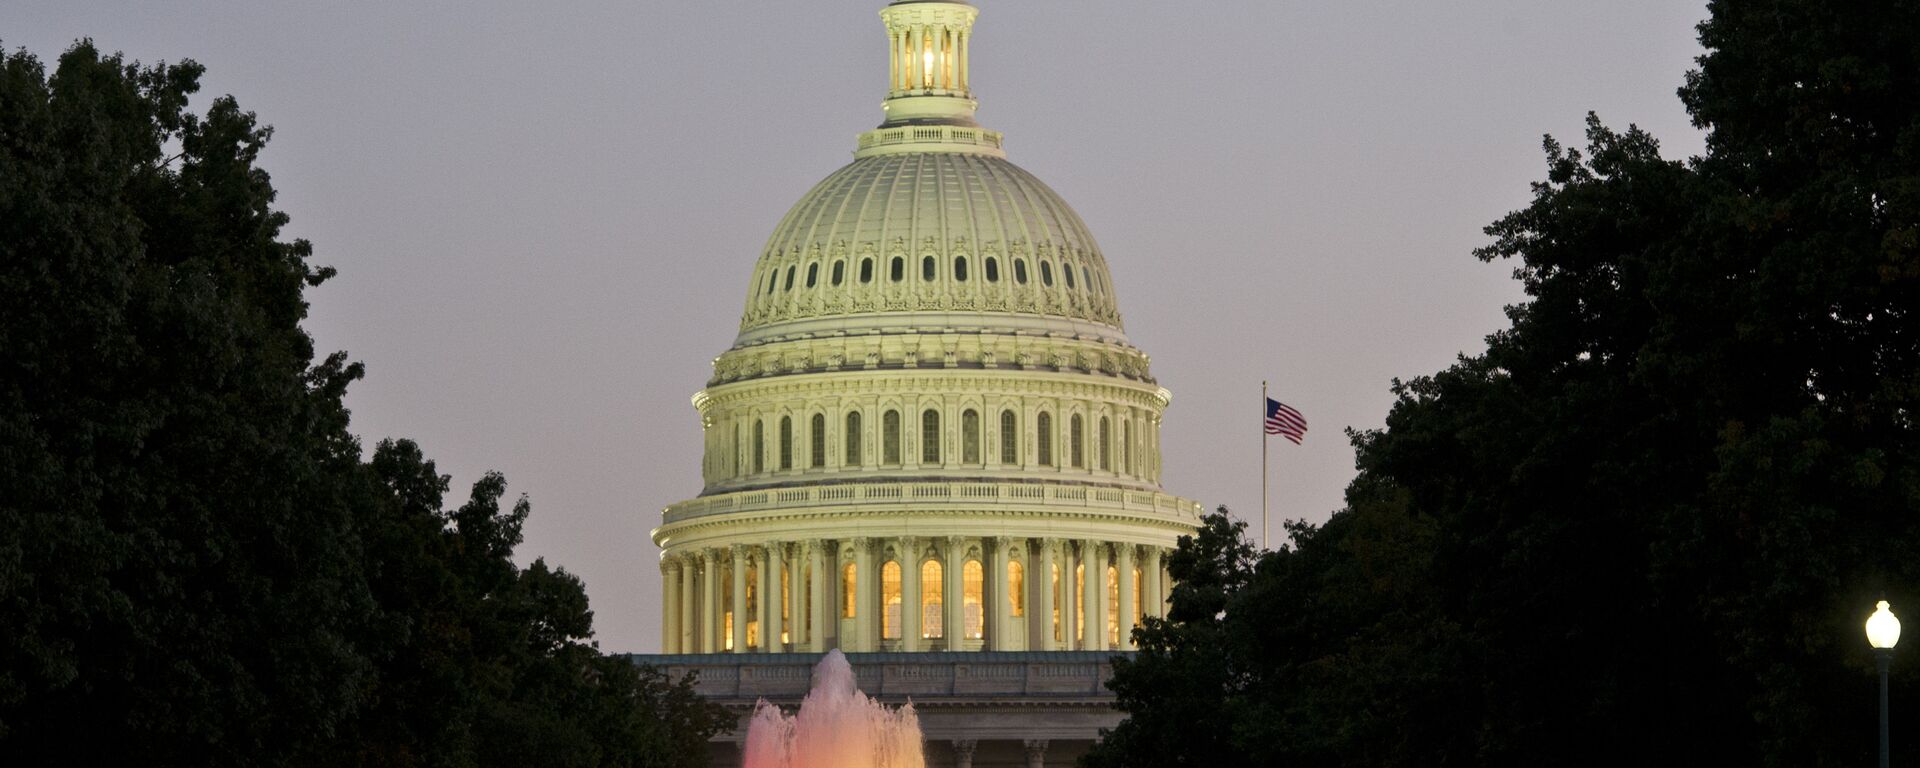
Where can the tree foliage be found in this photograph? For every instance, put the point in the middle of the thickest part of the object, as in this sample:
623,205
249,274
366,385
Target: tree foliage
1646,525
197,567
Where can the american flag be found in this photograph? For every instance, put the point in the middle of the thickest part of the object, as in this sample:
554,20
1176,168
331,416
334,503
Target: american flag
1283,420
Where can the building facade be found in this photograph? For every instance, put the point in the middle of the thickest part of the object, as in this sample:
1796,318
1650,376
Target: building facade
931,433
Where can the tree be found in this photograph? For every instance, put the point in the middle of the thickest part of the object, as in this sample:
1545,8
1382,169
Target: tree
197,567
1646,524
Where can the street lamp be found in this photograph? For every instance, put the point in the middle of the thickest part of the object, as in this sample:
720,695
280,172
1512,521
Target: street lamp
1883,631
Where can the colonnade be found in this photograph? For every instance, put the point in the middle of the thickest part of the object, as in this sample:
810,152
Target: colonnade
911,593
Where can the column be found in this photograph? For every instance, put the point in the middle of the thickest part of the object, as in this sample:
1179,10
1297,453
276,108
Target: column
1041,615
1153,603
963,753
909,594
1093,627
999,607
1036,753
954,599
761,598
739,634
709,589
1124,564
1069,597
669,612
966,36
770,598
687,634
818,607
866,589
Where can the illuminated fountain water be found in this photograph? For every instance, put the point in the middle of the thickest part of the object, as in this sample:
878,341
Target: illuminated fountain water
836,726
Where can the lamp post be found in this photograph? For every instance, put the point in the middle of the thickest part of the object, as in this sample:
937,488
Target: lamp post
1883,631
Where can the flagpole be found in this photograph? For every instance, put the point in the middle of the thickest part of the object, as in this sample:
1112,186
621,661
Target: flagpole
1263,464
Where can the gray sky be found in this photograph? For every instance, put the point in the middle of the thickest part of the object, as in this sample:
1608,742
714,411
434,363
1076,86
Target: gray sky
545,214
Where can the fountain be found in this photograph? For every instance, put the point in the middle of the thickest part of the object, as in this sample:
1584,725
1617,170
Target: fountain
836,726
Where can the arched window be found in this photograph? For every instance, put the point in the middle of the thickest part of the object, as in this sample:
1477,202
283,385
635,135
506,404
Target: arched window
960,269
1113,599
1076,442
759,446
1046,273
1009,438
786,442
972,597
993,270
852,439
1066,271
890,599
773,277
970,436
789,285
866,270
1019,272
932,592
899,269
839,272
1016,588
1106,453
819,441
1126,446
930,436
849,580
890,437
1087,278
1045,423
927,268
813,274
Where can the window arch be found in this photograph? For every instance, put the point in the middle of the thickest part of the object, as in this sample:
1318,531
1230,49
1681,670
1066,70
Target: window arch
786,442
852,439
759,446
1046,273
1019,272
866,270
960,269
789,285
1016,588
1106,453
930,436
972,598
1045,423
932,599
890,437
890,600
819,441
993,270
1076,442
899,269
813,274
970,436
1009,437
927,268
839,272
849,580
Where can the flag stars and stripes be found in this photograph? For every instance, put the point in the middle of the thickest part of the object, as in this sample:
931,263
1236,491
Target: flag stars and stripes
1283,420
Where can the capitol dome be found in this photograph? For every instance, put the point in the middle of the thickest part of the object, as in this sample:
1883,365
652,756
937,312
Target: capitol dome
931,431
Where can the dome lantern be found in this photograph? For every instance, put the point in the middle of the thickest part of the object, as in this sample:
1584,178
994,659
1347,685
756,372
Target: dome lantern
930,104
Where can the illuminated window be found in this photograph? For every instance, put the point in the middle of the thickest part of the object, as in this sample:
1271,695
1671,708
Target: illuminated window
970,436
930,437
819,441
1046,439
852,439
1016,588
849,579
866,270
993,270
972,597
813,274
890,437
759,446
927,268
890,597
931,593
1105,452
786,442
1113,600
839,272
1076,442
1009,438
1080,589
960,269
786,599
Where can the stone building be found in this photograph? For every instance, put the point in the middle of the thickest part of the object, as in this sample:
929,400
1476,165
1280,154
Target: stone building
931,444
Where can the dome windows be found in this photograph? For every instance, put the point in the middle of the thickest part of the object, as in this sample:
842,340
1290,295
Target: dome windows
789,287
1009,438
1019,272
899,269
853,439
930,437
993,270
890,438
773,277
866,271
813,274
928,268
1046,274
839,272
1045,439
1066,270
960,269
970,437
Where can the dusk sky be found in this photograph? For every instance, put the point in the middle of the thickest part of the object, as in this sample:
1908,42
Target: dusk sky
544,215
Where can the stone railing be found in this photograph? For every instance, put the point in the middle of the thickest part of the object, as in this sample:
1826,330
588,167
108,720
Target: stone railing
785,677
930,134
947,494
